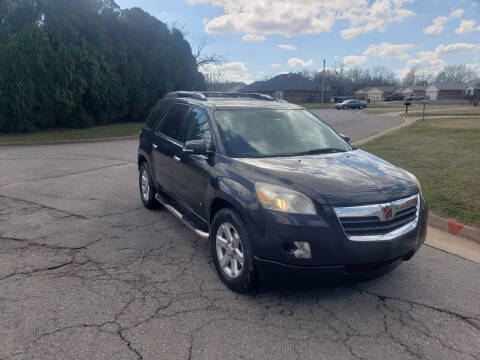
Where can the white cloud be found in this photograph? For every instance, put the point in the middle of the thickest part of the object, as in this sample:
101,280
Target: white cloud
253,37
466,27
439,22
457,13
355,59
235,71
296,62
293,17
275,66
437,27
431,61
456,48
473,67
389,51
286,47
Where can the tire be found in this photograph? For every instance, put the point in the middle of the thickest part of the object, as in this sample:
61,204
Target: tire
146,187
227,252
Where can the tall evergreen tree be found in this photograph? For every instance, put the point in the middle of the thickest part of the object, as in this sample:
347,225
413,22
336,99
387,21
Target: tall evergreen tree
77,63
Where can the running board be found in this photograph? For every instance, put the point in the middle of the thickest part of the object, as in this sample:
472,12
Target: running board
179,215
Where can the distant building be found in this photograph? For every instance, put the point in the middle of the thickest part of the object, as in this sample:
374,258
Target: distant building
226,87
377,93
414,90
291,87
443,91
472,92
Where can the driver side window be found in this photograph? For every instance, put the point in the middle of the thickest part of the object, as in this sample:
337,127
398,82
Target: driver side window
197,128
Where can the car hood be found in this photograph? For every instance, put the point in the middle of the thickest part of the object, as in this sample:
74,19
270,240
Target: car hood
341,179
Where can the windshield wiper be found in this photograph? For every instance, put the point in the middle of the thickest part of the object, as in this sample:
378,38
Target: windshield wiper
321,151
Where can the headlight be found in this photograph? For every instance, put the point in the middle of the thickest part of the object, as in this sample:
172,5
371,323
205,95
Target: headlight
414,178
278,198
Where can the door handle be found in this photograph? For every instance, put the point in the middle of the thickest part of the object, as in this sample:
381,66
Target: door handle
176,158
155,147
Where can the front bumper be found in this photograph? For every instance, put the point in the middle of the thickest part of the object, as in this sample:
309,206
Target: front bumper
335,259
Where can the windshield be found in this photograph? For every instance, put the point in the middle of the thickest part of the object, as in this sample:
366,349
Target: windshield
269,133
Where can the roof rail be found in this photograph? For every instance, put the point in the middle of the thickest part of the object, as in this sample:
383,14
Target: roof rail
237,95
204,95
186,94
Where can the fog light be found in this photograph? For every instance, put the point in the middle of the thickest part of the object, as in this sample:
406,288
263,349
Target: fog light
302,250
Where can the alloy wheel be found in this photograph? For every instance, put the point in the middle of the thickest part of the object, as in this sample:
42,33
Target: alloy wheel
229,250
145,185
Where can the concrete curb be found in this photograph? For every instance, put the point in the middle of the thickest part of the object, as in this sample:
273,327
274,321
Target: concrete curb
62,142
454,228
406,122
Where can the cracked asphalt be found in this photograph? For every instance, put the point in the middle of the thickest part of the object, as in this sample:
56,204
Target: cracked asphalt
87,273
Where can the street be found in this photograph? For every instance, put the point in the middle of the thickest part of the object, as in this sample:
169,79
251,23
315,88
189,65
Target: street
87,273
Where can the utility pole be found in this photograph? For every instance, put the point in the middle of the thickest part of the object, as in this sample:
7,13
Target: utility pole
323,81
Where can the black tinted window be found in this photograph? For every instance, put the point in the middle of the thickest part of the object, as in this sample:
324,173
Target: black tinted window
197,127
157,114
173,121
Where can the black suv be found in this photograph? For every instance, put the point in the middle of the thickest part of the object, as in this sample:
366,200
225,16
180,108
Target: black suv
277,192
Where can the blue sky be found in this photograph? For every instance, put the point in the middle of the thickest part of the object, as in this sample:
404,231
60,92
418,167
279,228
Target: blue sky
260,38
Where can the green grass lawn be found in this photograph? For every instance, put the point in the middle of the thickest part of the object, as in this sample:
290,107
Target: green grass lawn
445,155
448,112
97,132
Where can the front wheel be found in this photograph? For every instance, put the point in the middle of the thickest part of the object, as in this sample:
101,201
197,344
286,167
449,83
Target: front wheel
231,251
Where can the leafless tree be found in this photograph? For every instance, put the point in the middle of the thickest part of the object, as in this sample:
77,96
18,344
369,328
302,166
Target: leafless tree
455,73
206,59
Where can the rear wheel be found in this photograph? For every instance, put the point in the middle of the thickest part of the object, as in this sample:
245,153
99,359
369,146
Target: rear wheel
146,187
231,251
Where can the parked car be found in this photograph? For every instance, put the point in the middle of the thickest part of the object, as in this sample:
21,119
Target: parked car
350,104
276,191
414,98
394,97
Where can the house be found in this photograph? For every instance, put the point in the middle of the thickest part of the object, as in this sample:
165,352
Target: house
377,93
414,90
472,92
442,91
290,87
226,87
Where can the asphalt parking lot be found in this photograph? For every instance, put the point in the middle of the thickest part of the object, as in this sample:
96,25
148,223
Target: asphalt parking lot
87,273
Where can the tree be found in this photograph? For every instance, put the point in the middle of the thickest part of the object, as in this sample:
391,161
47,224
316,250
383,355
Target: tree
86,62
455,73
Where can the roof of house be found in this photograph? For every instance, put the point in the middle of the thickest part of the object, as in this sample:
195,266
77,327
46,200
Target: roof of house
450,86
283,82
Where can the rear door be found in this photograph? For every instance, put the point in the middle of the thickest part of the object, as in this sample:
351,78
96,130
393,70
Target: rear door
191,174
166,143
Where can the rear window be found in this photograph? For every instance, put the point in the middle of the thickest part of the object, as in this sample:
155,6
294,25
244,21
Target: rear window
157,114
173,122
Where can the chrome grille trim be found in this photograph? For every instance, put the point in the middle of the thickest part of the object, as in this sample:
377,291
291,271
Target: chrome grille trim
375,211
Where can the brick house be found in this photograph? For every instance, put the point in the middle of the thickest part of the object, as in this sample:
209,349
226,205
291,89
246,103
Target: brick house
443,91
291,87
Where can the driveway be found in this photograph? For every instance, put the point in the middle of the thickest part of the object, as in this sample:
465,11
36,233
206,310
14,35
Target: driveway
357,124
87,273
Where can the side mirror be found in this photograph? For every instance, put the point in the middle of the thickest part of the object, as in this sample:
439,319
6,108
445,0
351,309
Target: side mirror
345,137
195,147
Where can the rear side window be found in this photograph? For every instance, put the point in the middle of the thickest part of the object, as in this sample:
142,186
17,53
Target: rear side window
157,114
173,122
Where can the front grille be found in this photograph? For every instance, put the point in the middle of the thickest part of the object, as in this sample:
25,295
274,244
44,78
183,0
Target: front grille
368,223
